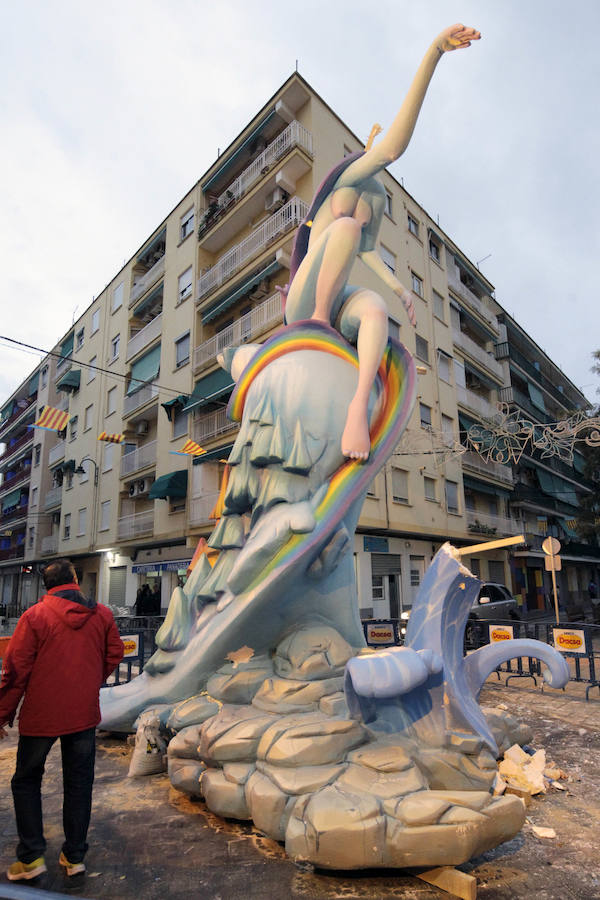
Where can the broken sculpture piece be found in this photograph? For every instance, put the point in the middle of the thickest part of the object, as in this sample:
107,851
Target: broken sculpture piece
279,713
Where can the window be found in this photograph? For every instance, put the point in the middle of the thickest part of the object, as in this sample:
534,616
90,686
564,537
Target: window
68,481
493,506
44,376
67,526
81,522
34,496
474,566
399,485
187,224
37,454
114,347
425,414
117,300
393,329
434,250
429,488
389,258
444,366
87,417
413,225
416,284
95,321
388,204
184,287
469,499
92,369
448,430
109,450
422,348
438,306
180,423
496,570
86,472
31,536
111,400
79,339
104,515
73,428
182,350
452,496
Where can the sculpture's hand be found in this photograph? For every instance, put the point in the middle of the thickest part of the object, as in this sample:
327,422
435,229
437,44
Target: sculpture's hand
456,37
409,306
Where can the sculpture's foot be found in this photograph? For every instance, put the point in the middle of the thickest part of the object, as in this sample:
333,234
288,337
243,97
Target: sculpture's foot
356,440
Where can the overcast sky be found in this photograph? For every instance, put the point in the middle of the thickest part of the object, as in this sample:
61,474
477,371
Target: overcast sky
110,113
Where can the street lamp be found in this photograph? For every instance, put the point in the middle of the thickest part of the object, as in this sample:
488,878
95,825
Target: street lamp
81,471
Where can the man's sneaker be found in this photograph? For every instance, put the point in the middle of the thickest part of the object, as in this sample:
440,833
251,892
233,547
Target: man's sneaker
20,871
71,868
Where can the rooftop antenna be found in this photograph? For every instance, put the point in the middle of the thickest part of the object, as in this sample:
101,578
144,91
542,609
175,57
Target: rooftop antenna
74,311
296,65
483,259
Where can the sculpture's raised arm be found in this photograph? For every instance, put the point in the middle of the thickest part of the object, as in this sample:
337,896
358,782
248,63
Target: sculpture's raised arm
397,137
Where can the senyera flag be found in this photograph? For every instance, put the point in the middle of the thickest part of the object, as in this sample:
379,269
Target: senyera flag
52,419
190,448
115,438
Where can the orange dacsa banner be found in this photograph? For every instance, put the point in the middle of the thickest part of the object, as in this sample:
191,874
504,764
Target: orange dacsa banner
569,640
132,645
500,633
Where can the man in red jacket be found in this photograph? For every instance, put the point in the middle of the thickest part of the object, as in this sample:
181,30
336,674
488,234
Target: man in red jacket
62,649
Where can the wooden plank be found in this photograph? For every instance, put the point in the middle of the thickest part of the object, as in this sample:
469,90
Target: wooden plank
491,545
453,881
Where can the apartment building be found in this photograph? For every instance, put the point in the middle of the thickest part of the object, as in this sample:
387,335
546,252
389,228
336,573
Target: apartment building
141,363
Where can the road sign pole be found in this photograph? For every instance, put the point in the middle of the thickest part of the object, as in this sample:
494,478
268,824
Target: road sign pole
553,571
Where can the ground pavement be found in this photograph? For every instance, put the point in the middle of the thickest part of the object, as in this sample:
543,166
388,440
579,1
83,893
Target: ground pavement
148,841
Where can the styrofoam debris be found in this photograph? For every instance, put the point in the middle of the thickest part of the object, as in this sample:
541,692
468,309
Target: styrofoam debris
541,831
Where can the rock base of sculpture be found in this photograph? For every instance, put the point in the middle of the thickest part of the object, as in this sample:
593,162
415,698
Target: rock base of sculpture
283,751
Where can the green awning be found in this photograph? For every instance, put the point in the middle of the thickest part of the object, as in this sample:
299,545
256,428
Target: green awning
11,499
33,384
220,453
156,240
66,348
231,159
225,302
536,396
7,411
570,532
144,369
483,487
149,300
578,463
209,388
70,381
69,465
173,485
171,406
557,487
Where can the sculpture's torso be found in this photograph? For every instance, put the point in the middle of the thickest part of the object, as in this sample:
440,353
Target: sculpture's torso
356,202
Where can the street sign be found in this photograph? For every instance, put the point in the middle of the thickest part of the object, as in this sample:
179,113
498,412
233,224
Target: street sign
553,563
551,546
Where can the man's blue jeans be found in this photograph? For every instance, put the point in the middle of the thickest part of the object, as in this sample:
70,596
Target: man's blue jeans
78,755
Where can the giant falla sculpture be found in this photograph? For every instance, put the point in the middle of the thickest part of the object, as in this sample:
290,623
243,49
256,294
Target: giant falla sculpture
279,712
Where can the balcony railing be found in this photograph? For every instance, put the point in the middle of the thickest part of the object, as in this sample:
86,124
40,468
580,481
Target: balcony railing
14,419
56,453
289,216
475,403
49,545
138,459
144,395
470,299
201,508
211,424
53,498
482,523
20,512
13,552
63,365
147,280
242,330
9,483
295,135
18,445
144,337
478,353
138,523
496,470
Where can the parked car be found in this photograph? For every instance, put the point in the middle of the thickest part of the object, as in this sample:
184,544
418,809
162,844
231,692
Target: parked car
494,601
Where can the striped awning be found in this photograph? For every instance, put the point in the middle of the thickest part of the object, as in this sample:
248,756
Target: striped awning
115,438
52,419
191,448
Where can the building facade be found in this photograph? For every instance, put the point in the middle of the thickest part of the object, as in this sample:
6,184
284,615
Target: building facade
141,363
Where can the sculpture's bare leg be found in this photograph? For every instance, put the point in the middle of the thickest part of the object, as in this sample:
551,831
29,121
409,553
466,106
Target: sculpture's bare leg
365,313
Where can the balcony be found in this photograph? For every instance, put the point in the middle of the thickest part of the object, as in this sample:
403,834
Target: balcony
14,515
462,291
140,398
244,329
480,523
479,354
9,483
16,417
201,508
138,523
211,424
288,217
13,553
147,280
56,453
138,459
49,545
144,337
472,460
18,445
476,404
514,395
62,366
53,498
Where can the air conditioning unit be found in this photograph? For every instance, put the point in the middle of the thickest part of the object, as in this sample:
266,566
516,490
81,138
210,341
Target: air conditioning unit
143,486
142,426
275,199
132,489
261,290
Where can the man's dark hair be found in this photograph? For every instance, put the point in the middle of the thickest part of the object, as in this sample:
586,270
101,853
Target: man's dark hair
57,573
